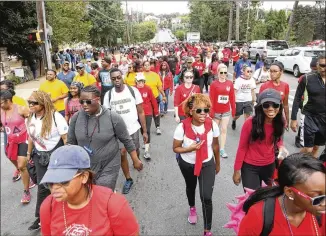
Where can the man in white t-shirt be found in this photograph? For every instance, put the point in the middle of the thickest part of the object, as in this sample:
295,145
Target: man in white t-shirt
127,102
262,75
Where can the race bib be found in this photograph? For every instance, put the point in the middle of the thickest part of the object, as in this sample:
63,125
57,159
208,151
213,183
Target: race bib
224,99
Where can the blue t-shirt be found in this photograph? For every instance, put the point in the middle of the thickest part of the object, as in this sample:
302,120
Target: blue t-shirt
259,65
68,78
105,78
238,67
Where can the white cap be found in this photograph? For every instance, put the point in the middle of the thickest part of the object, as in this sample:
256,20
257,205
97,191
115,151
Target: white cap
140,76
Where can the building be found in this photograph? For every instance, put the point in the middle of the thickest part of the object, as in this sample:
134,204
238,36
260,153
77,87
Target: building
152,18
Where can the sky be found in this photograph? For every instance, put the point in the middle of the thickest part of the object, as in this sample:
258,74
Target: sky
168,7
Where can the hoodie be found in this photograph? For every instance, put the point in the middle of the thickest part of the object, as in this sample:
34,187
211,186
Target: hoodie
167,81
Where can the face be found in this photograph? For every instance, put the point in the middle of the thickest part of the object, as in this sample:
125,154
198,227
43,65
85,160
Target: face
134,57
245,56
3,87
199,112
188,77
321,67
189,64
5,104
68,190
247,73
197,58
80,70
270,109
104,64
116,78
140,83
89,102
147,66
313,187
73,90
130,68
34,106
50,75
65,67
164,66
223,73
275,72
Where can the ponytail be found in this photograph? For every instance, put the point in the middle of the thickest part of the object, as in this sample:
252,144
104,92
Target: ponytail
262,194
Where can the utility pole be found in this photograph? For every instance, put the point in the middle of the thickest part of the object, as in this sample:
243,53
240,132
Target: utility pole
230,22
237,21
40,9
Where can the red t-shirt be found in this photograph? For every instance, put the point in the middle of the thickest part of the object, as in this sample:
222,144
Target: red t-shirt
283,88
226,54
252,223
222,97
181,94
149,101
235,55
257,153
167,81
214,67
200,66
110,215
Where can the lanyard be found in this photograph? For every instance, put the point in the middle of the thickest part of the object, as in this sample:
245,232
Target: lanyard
90,138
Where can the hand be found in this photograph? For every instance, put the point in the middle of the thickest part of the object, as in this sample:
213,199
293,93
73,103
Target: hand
236,177
164,99
138,165
294,125
177,119
145,137
217,168
195,146
28,157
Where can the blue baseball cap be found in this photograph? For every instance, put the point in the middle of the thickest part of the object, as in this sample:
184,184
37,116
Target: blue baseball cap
269,95
64,164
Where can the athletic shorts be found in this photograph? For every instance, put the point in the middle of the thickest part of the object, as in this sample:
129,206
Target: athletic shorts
135,139
313,129
22,151
243,108
219,116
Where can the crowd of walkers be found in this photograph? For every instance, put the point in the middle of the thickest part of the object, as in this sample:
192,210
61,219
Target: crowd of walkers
77,129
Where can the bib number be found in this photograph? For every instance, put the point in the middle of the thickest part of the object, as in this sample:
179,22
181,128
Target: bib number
224,99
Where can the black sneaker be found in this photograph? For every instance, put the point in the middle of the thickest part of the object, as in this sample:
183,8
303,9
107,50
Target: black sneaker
36,225
297,142
127,186
234,125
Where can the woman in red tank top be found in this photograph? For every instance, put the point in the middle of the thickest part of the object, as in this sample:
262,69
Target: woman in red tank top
13,120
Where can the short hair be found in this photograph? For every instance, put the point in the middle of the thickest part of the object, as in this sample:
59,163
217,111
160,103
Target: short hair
92,89
279,64
194,100
222,66
322,56
55,73
8,83
94,66
115,70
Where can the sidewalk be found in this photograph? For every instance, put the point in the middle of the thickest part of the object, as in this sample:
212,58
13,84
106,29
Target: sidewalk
24,90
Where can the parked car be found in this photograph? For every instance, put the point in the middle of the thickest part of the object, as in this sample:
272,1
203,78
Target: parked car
297,60
270,48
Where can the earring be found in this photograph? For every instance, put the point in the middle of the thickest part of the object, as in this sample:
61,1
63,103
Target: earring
291,198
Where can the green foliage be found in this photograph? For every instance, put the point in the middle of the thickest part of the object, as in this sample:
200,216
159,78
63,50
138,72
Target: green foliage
17,20
68,21
143,32
180,34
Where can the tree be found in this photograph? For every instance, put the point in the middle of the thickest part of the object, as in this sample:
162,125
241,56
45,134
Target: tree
17,20
180,34
295,6
144,31
68,20
230,22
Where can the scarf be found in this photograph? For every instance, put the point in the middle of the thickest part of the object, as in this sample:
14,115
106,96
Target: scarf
12,145
202,153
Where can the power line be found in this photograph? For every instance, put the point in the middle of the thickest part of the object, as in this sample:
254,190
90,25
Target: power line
93,8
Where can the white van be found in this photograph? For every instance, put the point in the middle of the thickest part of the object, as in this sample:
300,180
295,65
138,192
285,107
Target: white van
270,48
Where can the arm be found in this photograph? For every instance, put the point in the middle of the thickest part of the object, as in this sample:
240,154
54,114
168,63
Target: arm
253,94
71,138
64,138
45,216
286,109
297,98
23,111
243,144
142,120
30,147
216,150
63,96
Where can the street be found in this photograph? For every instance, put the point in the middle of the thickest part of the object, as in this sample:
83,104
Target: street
158,196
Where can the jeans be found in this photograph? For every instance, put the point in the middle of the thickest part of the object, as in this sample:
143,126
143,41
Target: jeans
252,176
164,106
206,181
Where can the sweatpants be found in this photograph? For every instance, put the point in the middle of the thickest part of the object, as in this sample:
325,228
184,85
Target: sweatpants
252,176
148,119
206,184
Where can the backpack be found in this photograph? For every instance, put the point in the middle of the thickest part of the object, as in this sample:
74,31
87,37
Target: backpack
130,89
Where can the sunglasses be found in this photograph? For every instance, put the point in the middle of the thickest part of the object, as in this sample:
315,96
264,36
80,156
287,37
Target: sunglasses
189,62
322,65
32,103
267,105
79,68
315,201
200,110
61,184
223,72
87,101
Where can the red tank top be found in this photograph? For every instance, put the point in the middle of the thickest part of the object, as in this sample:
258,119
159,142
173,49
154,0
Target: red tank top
14,124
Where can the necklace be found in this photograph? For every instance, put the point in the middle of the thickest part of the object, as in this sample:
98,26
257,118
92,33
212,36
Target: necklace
87,229
288,222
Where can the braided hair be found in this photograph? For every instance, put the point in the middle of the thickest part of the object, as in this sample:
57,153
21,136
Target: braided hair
45,101
91,89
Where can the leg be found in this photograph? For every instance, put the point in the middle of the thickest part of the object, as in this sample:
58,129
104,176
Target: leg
250,176
161,104
167,93
108,177
148,127
187,171
223,128
201,84
22,162
206,186
206,82
266,173
157,118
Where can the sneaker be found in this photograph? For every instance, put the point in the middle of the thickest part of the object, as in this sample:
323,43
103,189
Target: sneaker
147,156
208,233
143,147
297,142
223,154
16,176
36,225
234,125
161,113
192,218
31,184
158,131
26,197
127,186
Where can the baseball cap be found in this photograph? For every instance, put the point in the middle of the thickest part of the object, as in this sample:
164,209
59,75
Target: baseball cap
64,164
140,76
269,95
80,65
66,62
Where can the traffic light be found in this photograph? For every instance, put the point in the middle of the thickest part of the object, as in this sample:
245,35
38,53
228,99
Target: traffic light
36,36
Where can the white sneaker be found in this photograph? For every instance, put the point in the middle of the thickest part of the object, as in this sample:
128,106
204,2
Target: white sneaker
143,147
158,131
147,156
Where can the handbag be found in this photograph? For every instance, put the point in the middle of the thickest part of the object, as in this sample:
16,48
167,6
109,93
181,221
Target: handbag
31,169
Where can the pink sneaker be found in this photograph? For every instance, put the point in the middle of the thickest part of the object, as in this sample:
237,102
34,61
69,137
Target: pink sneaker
31,184
192,218
26,197
16,176
208,233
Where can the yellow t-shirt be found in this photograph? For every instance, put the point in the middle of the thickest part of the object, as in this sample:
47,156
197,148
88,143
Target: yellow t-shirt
19,101
153,80
130,79
87,79
55,88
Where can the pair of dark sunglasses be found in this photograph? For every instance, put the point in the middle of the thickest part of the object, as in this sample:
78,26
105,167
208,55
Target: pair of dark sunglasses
32,103
87,101
267,105
61,184
322,65
221,73
200,110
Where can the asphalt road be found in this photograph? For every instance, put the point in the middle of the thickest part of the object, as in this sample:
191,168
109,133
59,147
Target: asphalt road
163,35
158,195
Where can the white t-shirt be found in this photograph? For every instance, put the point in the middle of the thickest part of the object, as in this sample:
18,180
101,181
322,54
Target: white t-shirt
261,76
190,157
244,87
124,104
48,143
124,69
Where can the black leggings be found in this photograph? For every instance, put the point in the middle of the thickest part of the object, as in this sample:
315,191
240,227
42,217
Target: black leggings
206,183
252,176
148,119
157,118
206,81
